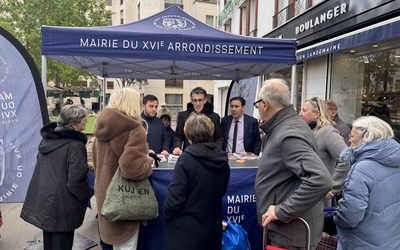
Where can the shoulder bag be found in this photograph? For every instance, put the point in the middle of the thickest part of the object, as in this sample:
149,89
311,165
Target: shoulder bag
129,199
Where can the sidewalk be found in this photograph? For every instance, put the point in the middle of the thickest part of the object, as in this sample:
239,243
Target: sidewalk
16,233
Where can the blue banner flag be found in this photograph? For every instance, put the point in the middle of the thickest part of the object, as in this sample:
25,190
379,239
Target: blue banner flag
23,112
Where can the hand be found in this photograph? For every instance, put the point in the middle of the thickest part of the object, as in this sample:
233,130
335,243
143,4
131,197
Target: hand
177,151
151,151
156,159
269,216
165,153
329,195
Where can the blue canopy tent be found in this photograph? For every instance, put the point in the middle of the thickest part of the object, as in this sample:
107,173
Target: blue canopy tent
168,45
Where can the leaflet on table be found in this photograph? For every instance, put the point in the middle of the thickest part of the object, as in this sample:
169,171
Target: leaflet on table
242,156
172,158
161,157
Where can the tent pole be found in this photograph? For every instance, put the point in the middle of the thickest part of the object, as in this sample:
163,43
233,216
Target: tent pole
44,74
293,86
104,93
105,75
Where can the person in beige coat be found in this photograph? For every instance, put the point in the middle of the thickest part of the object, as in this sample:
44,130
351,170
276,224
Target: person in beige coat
120,141
330,143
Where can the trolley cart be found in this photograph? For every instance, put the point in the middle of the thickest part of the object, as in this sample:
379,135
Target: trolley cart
308,241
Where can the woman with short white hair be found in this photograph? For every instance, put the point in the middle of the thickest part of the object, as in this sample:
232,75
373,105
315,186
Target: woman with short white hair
367,215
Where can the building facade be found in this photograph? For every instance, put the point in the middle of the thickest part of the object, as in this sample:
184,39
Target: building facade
348,50
174,92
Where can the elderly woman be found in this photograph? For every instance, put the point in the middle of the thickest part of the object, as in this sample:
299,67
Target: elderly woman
120,141
59,191
368,214
315,113
192,208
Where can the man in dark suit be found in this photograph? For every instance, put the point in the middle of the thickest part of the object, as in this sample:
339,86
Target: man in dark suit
247,131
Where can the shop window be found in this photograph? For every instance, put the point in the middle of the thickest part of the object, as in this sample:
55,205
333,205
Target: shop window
365,83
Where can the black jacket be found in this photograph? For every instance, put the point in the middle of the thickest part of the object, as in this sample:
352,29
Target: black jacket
182,117
59,191
193,206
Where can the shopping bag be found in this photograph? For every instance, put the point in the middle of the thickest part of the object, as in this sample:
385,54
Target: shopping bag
327,242
129,199
234,237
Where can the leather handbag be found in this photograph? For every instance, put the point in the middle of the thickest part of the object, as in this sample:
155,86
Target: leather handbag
129,199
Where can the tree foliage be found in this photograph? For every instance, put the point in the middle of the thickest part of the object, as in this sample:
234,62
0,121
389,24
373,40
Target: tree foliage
23,19
125,82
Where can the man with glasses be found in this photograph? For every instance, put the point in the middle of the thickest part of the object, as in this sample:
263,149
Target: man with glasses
198,104
291,180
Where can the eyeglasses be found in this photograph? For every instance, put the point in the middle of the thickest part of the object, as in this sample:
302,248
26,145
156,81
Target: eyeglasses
198,100
315,99
162,106
351,136
256,103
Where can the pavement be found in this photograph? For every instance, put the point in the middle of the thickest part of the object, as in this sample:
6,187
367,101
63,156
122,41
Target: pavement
16,234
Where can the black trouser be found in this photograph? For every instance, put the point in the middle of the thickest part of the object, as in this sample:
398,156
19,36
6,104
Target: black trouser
58,240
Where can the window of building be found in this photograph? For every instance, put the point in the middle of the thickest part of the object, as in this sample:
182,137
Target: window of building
210,20
168,3
174,83
243,20
253,18
287,9
121,14
110,85
109,22
227,26
109,2
121,2
84,84
175,103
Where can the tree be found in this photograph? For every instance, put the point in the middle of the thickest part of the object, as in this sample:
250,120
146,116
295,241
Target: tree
124,82
23,19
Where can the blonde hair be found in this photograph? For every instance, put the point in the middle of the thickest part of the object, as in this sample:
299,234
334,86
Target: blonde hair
320,106
372,128
127,101
199,128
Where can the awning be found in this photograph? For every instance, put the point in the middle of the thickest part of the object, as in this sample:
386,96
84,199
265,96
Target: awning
374,33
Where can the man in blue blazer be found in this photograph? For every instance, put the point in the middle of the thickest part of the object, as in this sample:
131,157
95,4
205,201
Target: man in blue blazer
248,134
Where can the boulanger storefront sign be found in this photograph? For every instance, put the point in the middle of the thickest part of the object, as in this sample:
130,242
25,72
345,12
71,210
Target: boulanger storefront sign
331,17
